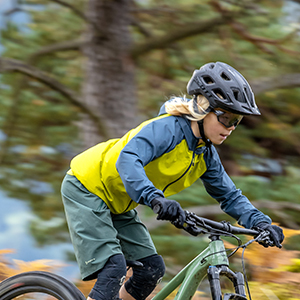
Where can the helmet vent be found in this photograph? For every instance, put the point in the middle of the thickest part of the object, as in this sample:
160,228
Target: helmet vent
225,77
236,94
248,99
212,66
219,93
208,80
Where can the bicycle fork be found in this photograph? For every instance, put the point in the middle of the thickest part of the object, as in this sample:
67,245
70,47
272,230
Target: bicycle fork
237,279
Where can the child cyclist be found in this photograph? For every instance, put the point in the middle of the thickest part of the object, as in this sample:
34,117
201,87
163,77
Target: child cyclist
159,158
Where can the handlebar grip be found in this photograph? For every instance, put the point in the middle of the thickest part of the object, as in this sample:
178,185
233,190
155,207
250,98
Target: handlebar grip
156,209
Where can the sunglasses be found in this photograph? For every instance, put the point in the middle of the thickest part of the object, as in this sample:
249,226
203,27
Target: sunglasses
228,119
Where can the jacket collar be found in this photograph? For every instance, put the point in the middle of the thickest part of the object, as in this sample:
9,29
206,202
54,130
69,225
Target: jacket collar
185,125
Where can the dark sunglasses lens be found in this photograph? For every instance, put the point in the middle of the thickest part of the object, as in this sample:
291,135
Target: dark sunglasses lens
235,121
228,119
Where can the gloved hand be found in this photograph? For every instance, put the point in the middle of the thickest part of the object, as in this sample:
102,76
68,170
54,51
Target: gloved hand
276,234
169,210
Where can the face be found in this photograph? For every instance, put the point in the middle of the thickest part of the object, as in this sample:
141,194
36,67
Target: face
214,130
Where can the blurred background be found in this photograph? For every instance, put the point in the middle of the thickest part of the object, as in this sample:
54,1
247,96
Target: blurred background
75,73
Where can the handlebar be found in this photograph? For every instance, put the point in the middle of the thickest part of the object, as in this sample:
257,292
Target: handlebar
223,226
193,219
196,225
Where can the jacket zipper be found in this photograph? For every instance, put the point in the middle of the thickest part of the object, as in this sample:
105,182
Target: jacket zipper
127,206
191,164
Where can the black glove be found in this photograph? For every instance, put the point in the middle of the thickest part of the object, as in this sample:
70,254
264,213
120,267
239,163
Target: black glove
168,210
276,234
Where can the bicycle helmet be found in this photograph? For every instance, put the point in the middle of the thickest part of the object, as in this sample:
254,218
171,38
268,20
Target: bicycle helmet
224,87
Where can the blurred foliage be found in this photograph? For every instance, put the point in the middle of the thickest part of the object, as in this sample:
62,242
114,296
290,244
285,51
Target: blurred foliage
9,269
278,188
38,126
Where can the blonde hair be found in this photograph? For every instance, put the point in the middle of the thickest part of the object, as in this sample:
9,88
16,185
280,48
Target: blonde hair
181,106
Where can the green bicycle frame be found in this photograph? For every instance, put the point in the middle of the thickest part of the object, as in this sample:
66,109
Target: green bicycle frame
191,276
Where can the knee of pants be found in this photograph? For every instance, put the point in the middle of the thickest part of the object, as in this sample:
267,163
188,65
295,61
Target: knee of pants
110,279
143,281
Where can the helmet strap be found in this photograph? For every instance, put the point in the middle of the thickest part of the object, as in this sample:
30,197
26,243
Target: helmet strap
202,134
195,106
200,123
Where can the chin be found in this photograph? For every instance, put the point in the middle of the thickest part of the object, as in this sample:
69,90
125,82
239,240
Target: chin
217,142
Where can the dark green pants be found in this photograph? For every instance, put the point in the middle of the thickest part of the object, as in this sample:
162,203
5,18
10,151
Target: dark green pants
97,234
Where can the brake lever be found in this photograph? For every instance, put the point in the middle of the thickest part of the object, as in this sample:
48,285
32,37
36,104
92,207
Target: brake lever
192,229
264,239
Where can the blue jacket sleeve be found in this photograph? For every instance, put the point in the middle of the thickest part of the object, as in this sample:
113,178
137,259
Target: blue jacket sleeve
219,185
153,140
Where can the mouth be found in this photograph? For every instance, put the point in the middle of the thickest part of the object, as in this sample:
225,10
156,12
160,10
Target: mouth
224,136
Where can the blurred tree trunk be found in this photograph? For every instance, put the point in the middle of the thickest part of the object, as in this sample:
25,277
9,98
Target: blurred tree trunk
109,87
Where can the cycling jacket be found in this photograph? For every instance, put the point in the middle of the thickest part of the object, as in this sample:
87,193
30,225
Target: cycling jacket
160,157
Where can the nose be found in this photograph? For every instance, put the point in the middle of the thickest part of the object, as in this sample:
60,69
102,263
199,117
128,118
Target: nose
231,128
